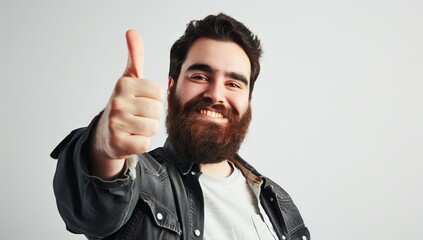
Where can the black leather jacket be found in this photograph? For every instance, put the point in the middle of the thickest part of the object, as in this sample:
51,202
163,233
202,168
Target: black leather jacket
163,201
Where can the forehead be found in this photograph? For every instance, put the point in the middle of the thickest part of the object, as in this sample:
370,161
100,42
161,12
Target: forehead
223,56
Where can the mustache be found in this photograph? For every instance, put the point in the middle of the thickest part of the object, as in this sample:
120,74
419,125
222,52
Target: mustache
200,103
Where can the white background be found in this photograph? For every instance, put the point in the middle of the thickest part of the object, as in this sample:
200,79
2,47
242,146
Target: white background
337,110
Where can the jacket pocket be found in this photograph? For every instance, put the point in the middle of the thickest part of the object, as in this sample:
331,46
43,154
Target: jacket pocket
162,216
150,220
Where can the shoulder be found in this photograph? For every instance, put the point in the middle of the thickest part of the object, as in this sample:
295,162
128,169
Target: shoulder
291,215
278,190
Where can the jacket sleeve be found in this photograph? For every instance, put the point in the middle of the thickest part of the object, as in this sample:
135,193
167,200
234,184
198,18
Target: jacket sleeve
88,204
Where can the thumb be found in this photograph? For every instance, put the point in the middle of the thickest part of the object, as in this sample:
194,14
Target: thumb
135,63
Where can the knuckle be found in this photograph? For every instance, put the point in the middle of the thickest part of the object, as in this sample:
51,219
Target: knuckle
150,127
154,127
116,103
159,108
144,82
145,145
113,124
114,141
155,108
115,119
122,84
142,129
156,90
161,93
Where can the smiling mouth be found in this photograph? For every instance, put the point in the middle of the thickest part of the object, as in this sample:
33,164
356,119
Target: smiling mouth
212,114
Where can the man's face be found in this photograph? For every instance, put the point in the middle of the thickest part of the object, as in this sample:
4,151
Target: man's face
219,71
209,111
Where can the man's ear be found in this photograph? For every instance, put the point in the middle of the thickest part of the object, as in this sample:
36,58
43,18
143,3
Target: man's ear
170,84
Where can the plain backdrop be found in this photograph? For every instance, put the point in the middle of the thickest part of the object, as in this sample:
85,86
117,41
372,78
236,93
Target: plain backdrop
337,109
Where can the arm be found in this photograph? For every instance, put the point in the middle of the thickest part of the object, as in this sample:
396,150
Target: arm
94,189
88,204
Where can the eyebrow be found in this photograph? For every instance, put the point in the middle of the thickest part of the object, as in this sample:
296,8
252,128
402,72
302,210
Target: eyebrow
206,68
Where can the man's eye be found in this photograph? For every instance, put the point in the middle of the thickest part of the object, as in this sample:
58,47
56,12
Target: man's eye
234,85
199,77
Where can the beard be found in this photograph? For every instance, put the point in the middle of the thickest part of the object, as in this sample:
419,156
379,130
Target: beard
203,141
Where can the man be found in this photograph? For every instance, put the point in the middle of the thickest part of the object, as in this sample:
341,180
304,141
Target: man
195,187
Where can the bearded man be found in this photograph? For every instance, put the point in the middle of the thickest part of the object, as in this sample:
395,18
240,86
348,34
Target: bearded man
107,185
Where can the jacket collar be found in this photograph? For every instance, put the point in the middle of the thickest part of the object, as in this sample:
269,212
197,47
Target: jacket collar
182,164
185,166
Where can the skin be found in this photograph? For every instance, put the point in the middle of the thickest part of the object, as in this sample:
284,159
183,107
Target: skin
130,118
217,70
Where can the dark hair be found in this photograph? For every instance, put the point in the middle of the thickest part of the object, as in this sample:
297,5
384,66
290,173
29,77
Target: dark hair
217,27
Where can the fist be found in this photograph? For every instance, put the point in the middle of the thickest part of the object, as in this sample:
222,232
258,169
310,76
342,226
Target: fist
131,116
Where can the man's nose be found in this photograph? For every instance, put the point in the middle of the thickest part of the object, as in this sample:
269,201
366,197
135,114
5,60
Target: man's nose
215,92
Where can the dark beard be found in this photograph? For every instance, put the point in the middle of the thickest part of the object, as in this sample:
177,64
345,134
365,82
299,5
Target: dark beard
204,141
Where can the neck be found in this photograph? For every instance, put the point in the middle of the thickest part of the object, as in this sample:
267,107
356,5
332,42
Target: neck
217,170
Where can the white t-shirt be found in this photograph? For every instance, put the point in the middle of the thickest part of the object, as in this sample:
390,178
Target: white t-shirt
232,210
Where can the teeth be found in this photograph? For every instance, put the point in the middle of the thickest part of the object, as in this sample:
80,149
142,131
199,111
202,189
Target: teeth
211,114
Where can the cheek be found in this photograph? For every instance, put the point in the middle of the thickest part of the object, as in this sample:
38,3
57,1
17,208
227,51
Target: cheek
185,92
240,104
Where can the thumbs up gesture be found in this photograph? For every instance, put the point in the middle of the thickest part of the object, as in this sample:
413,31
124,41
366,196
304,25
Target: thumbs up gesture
130,118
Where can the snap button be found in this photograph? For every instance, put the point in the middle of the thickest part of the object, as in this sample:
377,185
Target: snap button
159,216
283,237
197,232
271,199
192,173
304,238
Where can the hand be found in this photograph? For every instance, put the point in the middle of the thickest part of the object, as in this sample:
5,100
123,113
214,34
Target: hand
130,118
